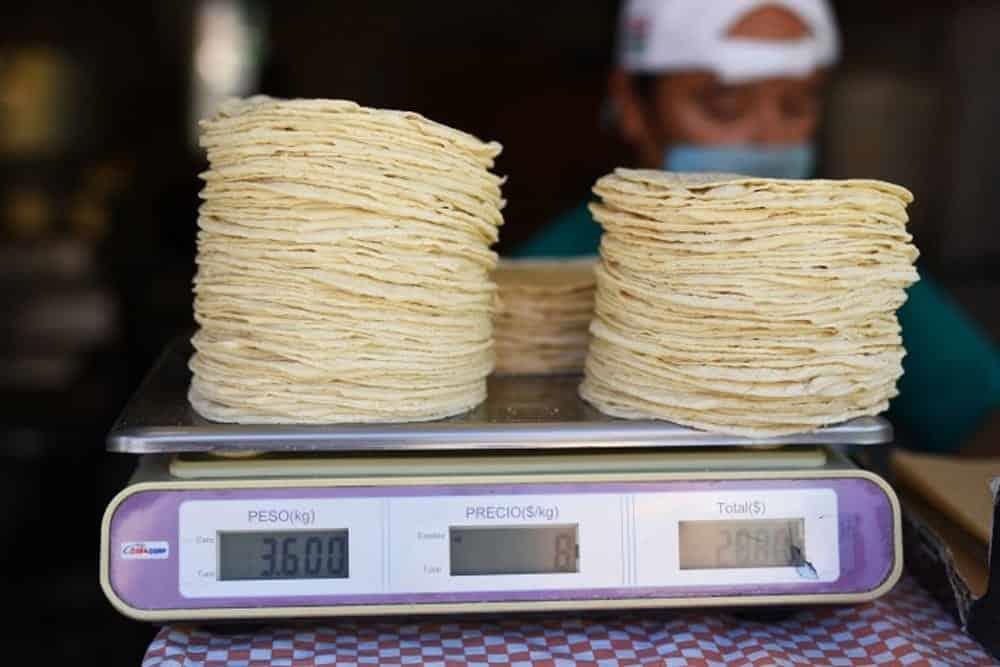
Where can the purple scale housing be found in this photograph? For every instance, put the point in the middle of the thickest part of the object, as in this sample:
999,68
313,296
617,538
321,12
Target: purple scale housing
867,525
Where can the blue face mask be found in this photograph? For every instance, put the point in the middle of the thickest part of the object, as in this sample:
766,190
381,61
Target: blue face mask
788,162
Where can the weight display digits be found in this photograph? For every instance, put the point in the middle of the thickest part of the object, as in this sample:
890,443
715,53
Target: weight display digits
709,545
497,550
283,555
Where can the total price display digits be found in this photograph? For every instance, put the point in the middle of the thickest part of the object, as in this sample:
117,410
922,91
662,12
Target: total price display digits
707,545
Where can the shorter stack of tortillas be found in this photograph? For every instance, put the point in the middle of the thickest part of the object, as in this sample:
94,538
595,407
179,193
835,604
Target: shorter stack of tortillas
747,306
343,265
544,310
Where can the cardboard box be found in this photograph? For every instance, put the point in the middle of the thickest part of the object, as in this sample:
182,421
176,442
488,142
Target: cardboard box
951,516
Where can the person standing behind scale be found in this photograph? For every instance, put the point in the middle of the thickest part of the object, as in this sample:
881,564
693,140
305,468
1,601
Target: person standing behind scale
736,86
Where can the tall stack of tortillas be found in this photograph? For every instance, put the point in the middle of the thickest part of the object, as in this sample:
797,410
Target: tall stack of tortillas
343,265
543,313
748,306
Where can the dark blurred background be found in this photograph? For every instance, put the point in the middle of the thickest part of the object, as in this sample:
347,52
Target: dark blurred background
98,197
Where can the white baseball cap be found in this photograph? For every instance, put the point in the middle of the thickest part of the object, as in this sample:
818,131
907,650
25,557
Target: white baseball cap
673,35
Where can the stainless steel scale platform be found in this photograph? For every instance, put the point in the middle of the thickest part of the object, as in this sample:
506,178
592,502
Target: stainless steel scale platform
520,412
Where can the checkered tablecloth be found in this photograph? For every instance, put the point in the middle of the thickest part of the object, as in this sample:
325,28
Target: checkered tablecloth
904,628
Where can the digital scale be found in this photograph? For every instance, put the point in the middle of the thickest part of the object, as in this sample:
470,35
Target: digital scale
532,502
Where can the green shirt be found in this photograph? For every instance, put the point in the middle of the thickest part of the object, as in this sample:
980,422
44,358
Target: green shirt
951,373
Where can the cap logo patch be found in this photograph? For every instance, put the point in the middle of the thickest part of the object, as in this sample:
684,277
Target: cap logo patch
636,34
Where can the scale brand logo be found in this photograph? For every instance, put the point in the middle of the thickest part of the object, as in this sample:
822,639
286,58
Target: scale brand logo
145,550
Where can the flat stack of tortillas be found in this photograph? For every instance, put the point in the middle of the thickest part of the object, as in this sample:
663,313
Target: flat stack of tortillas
343,265
544,310
747,306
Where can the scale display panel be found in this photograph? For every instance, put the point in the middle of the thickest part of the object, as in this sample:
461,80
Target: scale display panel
294,548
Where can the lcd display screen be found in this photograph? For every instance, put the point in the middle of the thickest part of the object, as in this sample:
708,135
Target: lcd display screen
486,550
709,545
283,555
